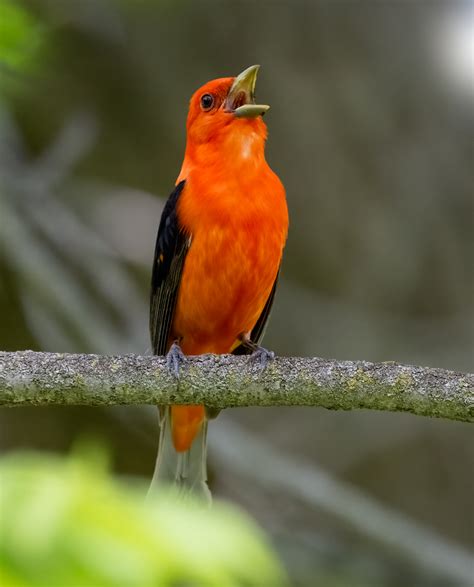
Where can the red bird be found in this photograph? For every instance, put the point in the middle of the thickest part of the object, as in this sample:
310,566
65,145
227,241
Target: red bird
217,256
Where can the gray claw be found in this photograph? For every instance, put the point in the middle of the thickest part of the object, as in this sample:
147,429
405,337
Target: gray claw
262,357
175,359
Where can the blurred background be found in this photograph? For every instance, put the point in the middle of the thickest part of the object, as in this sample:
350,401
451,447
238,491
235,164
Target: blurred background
371,129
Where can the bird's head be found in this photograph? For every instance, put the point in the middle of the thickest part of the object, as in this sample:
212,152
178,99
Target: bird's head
224,110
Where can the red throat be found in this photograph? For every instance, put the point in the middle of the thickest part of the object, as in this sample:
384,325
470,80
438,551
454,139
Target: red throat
219,138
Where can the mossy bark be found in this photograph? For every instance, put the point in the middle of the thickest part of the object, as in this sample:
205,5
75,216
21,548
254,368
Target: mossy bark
30,378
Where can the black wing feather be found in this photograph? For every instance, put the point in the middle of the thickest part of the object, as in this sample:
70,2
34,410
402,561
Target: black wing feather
259,329
172,244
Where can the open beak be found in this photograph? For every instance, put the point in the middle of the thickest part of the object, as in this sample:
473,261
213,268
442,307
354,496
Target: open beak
240,100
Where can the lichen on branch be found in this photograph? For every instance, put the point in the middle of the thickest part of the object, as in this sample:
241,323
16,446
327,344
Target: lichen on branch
29,378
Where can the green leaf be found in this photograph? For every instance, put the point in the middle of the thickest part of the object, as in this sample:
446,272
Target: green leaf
21,37
68,522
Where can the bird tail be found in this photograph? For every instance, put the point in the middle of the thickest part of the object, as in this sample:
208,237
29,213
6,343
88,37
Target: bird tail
185,470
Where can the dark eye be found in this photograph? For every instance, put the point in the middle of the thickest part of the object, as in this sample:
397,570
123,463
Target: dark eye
207,101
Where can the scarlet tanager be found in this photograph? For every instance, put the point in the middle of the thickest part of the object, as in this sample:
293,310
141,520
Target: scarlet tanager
217,257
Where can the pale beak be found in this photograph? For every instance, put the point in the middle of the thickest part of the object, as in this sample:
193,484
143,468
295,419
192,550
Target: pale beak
240,100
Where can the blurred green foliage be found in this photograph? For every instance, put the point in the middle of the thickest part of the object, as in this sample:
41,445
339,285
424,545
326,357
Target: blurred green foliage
21,37
66,522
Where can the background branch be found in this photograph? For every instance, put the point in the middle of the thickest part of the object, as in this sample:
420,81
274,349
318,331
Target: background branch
30,378
256,459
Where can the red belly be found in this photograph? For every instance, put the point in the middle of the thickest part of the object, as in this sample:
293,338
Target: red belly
226,281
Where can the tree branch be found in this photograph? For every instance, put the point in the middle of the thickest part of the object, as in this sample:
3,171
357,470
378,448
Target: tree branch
34,379
304,480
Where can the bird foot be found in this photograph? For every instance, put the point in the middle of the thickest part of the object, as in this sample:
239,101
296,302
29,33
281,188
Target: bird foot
175,359
262,357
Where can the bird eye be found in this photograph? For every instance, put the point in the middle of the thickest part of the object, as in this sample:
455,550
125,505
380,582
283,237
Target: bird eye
207,101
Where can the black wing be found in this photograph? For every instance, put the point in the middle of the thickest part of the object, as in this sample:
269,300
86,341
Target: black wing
172,244
259,329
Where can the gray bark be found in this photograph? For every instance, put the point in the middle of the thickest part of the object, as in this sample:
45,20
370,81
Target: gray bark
28,378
